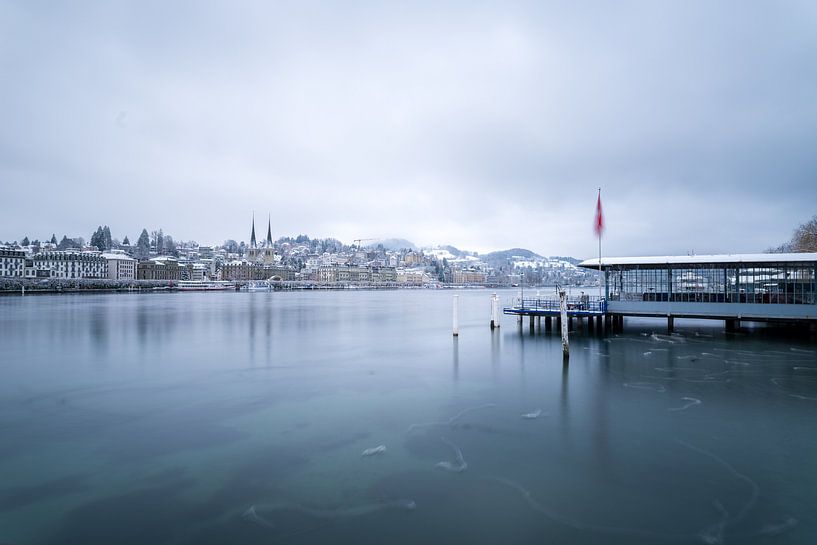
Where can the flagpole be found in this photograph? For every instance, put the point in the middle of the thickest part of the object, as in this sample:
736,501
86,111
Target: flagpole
601,278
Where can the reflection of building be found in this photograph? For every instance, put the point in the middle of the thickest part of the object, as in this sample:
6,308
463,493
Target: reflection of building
470,277
120,266
12,262
158,268
245,271
264,252
72,264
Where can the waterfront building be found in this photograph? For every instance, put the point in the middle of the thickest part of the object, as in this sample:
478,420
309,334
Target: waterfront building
248,271
71,264
412,277
745,286
120,266
12,262
470,277
159,268
354,274
264,252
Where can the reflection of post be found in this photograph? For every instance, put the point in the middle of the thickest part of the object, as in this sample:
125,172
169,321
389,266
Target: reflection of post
456,316
563,314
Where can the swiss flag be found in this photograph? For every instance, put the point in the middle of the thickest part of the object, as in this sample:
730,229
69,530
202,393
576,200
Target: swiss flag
598,225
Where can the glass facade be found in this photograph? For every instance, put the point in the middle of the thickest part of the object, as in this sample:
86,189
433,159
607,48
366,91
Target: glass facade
770,283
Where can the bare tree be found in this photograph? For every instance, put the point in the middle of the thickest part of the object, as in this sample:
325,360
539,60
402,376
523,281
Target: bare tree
805,237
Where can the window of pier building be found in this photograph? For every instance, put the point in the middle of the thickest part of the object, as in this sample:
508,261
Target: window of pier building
766,283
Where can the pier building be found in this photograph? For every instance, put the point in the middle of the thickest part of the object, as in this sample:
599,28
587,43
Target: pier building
753,287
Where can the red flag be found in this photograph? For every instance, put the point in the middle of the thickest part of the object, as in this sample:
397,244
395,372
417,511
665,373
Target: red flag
598,226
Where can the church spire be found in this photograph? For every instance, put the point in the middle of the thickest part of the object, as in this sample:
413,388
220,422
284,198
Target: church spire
252,236
269,232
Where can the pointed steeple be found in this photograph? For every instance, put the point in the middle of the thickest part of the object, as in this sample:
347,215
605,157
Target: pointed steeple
269,232
252,236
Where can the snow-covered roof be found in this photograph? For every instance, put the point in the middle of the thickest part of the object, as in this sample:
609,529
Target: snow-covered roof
701,259
119,256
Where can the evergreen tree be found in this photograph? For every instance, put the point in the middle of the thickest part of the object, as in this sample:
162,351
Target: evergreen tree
65,243
98,239
143,245
126,242
106,238
53,239
25,242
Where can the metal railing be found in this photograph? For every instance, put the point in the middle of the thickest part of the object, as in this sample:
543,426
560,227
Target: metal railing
586,303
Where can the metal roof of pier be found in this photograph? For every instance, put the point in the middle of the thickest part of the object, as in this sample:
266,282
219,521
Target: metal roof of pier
701,259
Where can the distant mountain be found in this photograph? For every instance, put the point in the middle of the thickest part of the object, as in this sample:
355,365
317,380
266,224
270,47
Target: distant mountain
453,250
394,244
508,254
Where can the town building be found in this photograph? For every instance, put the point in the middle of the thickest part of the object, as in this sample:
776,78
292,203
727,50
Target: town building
12,262
159,268
247,271
353,274
120,266
264,252
71,264
470,277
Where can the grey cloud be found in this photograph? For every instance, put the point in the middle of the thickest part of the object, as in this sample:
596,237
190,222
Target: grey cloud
484,125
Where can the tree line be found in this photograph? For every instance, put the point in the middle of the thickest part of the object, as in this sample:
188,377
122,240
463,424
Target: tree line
803,239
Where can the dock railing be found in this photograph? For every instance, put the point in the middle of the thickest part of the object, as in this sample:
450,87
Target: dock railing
588,304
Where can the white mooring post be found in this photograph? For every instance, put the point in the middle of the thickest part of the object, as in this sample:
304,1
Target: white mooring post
494,311
456,315
563,313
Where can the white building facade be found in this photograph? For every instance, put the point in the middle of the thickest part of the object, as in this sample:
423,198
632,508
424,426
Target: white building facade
12,262
72,264
120,266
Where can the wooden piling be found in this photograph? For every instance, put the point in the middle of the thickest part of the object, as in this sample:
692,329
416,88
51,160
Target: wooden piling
563,320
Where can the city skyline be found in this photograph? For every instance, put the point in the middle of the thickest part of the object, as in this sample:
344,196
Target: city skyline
485,127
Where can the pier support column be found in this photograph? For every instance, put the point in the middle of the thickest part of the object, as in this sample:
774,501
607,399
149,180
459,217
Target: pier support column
730,326
538,324
670,324
532,323
608,323
590,324
558,323
548,324
570,323
598,324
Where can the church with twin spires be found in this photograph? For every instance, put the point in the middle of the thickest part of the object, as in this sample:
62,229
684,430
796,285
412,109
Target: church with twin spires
263,253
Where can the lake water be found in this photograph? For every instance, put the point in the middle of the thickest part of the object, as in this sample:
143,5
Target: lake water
241,418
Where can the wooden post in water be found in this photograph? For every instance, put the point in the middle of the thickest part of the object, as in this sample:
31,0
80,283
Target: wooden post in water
456,315
563,320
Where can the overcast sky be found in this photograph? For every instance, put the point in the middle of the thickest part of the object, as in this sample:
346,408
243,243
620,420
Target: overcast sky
482,125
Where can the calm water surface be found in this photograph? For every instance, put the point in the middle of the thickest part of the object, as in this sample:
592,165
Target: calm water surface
242,418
